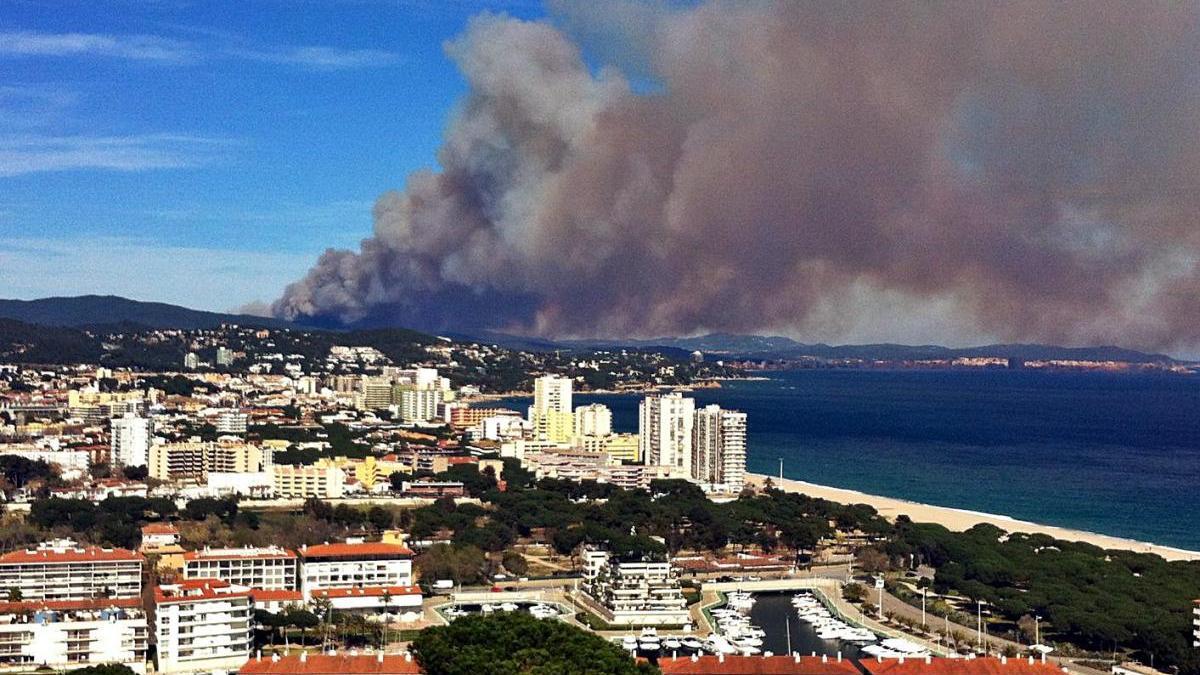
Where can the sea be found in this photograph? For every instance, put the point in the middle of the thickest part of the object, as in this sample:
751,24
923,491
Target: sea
1111,453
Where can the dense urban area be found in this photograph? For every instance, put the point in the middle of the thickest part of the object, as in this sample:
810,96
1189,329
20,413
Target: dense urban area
266,500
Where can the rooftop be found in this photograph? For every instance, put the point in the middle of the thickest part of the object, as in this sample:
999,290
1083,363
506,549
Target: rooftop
191,590
159,528
969,666
756,665
68,552
355,549
366,591
239,553
69,605
332,664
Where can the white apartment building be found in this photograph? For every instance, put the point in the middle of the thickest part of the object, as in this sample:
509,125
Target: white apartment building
719,449
73,634
356,574
302,482
203,625
416,404
131,437
593,420
232,422
61,570
635,593
665,430
267,567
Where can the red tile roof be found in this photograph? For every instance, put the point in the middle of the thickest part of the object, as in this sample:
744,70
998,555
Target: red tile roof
159,528
275,595
366,591
194,590
326,664
756,665
70,555
943,666
365,548
69,605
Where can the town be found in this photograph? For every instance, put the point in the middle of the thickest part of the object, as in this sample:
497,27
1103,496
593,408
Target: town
277,502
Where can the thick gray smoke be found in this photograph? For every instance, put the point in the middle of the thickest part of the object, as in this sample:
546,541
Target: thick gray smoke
1016,170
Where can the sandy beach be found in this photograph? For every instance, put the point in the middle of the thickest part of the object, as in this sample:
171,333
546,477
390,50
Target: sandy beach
961,519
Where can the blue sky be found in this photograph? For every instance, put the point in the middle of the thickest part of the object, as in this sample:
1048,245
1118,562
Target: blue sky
204,153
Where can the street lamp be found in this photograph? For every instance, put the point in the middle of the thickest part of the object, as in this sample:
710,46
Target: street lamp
979,621
1037,633
924,592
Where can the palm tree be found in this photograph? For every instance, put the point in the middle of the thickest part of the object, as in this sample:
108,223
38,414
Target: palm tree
15,595
322,607
387,602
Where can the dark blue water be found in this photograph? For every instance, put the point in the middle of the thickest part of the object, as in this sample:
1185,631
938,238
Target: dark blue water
1116,454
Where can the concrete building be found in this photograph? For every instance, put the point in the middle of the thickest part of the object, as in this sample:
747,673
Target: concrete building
623,447
194,460
302,482
232,422
551,413
719,449
375,393
202,625
61,570
634,593
72,634
665,430
224,356
332,664
266,567
191,361
130,440
593,420
417,405
356,574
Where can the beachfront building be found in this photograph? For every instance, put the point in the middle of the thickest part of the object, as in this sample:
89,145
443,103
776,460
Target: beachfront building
71,634
665,430
130,440
593,420
634,593
266,567
61,570
195,460
621,447
302,482
202,625
719,449
360,575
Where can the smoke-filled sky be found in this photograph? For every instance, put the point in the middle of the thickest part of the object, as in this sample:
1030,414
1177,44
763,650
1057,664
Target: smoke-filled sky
954,173
941,171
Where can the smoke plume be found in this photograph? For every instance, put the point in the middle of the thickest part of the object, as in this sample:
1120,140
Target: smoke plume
1008,170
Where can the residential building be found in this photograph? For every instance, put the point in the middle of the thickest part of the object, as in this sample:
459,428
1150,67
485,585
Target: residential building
719,449
432,489
356,574
159,535
623,447
62,570
72,634
194,460
191,361
635,592
375,393
232,422
417,405
665,430
461,416
130,440
265,567
302,482
551,413
224,356
202,625
593,420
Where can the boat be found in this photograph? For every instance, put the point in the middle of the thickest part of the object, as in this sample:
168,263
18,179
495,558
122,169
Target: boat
672,643
629,642
717,644
692,643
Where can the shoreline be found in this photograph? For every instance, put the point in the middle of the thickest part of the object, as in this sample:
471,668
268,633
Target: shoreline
963,519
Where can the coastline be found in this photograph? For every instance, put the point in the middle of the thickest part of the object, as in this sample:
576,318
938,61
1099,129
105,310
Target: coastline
962,519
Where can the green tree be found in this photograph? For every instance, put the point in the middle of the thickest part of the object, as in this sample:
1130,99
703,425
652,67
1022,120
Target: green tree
519,643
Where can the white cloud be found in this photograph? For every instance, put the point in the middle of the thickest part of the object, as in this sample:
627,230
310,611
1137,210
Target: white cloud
204,278
137,47
168,50
30,153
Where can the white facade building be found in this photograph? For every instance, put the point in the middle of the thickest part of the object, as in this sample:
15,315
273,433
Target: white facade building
232,422
68,635
267,567
665,430
719,449
635,593
203,625
61,570
302,482
593,420
417,405
357,574
131,437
